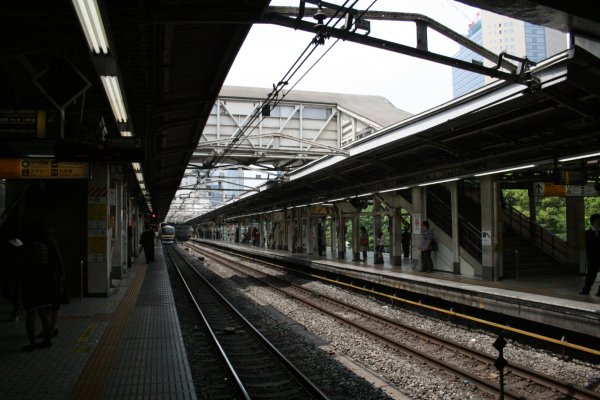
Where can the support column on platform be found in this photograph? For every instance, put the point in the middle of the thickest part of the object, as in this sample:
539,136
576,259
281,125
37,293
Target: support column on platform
98,234
455,226
489,270
355,236
417,218
333,228
341,237
117,224
377,226
396,237
311,234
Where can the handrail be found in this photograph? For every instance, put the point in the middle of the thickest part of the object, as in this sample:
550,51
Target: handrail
469,236
543,239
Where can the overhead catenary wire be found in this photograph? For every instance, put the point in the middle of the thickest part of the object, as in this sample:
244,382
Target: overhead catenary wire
277,95
277,89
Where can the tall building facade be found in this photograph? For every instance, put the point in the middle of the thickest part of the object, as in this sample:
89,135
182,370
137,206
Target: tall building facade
499,34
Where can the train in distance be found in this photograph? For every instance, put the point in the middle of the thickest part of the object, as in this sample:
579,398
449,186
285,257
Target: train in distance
183,233
167,234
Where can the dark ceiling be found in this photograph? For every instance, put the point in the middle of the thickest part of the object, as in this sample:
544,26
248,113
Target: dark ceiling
173,57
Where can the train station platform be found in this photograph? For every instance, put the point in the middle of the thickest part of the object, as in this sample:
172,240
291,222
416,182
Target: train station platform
553,300
128,345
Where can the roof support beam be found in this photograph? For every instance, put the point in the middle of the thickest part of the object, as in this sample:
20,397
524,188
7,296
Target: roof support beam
397,48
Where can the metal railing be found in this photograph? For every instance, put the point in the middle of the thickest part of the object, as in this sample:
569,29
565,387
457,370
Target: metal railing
543,239
469,238
438,210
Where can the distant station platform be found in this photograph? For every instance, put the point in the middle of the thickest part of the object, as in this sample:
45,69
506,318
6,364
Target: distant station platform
550,299
125,346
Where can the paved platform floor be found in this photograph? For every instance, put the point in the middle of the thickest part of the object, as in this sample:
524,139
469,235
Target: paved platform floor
125,346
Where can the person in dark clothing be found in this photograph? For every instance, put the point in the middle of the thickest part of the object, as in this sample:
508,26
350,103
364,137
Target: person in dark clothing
426,247
11,273
56,271
405,240
379,243
592,249
38,289
320,240
147,242
363,242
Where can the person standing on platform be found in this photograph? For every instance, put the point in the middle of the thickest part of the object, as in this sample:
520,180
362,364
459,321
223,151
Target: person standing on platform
320,240
37,288
363,242
56,273
592,249
379,243
147,242
425,246
10,276
405,240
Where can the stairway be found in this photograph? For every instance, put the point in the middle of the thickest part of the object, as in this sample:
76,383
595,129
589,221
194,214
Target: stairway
531,260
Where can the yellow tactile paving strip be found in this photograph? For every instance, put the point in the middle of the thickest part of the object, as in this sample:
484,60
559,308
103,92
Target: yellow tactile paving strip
92,380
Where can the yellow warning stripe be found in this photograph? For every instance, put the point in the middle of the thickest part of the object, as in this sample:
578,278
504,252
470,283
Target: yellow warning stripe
467,317
449,312
92,380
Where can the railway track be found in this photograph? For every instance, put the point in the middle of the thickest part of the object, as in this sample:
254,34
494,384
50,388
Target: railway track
242,364
470,365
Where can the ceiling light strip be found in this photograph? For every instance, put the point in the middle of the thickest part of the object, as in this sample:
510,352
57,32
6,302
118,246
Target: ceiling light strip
579,157
91,23
500,171
436,182
113,91
394,189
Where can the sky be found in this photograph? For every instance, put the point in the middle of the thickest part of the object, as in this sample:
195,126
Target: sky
411,84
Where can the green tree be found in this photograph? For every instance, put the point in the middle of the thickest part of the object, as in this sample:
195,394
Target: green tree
551,211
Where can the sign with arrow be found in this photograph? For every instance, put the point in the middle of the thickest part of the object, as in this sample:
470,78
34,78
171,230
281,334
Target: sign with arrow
544,189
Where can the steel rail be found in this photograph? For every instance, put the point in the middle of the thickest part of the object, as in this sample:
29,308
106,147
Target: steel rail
239,386
302,379
524,373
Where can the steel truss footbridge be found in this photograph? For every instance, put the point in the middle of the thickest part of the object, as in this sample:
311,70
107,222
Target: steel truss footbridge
244,145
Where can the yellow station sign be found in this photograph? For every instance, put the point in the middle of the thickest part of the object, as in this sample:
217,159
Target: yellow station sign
29,168
543,189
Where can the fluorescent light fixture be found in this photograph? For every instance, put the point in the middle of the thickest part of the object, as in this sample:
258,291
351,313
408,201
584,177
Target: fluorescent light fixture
436,182
365,194
579,157
393,190
40,155
91,22
113,91
139,176
499,171
126,134
334,200
136,166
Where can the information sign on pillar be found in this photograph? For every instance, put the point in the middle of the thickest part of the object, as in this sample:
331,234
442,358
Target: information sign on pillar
416,221
97,223
486,238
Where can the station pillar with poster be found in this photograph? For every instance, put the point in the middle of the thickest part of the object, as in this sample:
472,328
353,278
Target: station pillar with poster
98,233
